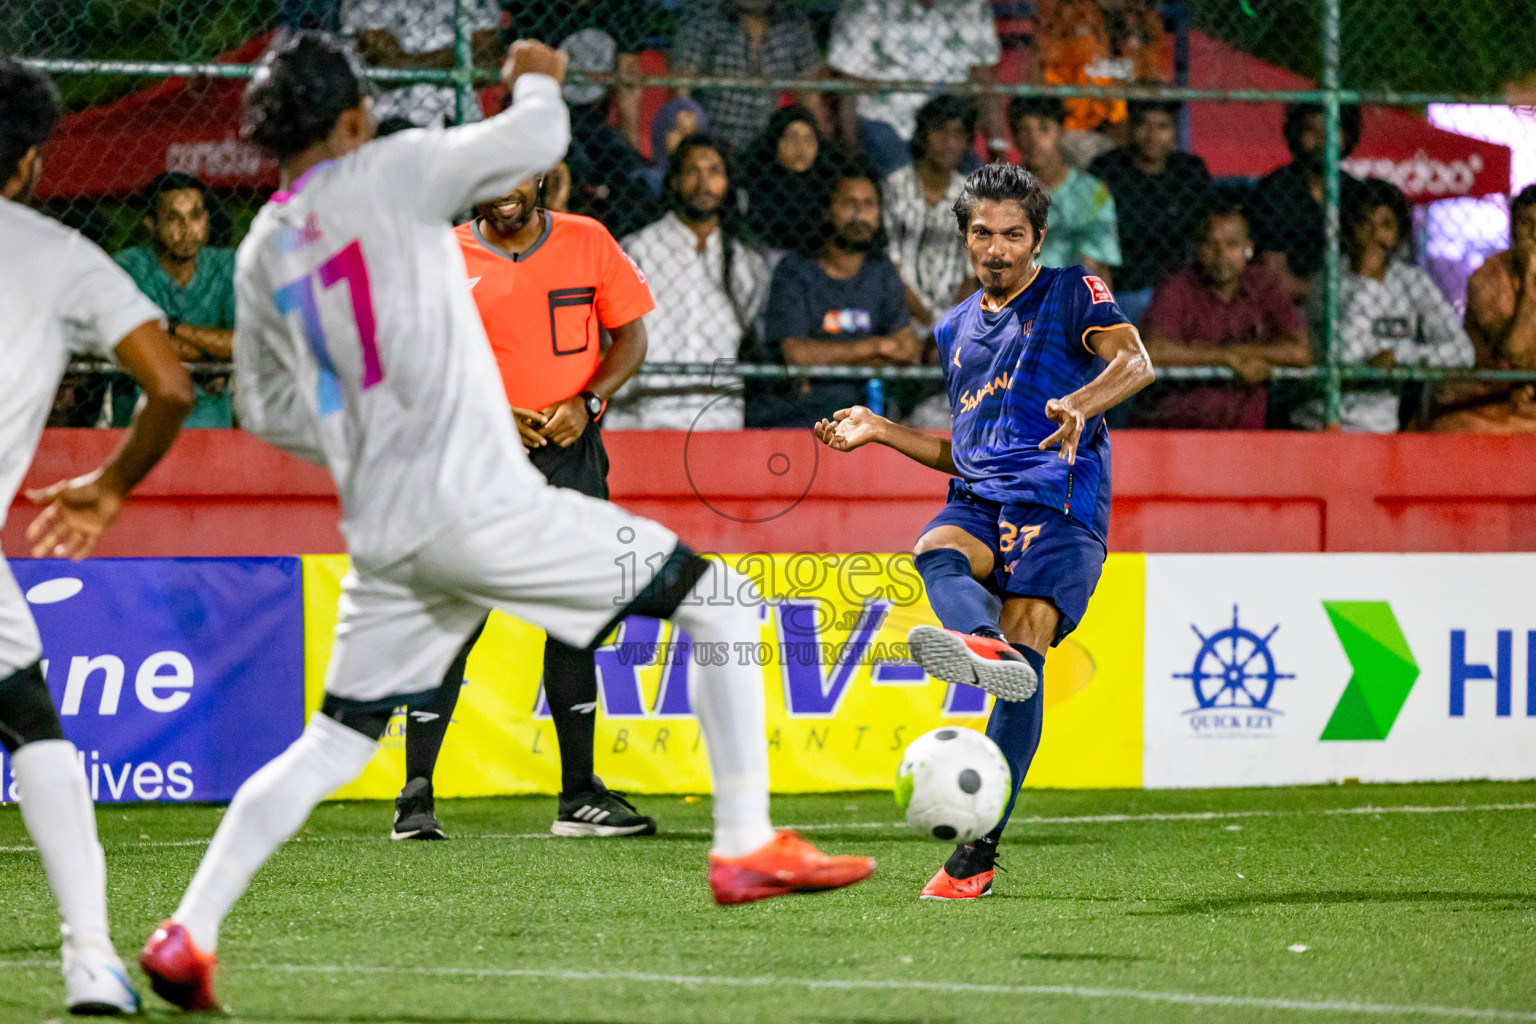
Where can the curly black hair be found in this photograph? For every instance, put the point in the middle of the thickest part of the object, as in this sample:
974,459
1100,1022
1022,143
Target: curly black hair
937,113
1296,115
999,183
302,85
29,108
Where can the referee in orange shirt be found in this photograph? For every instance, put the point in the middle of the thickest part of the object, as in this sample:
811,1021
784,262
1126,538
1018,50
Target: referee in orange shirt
547,284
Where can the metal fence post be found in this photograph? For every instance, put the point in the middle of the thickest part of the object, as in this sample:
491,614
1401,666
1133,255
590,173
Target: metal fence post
1331,157
463,59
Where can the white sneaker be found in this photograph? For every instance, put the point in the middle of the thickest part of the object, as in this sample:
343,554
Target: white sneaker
95,983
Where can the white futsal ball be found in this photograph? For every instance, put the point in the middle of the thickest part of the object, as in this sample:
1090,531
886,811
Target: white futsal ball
953,784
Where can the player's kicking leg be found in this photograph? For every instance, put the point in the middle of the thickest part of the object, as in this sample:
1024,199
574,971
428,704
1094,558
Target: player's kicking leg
559,564
389,636
56,807
1062,562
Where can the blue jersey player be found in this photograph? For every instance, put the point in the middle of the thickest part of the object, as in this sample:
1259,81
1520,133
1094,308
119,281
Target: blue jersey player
1031,361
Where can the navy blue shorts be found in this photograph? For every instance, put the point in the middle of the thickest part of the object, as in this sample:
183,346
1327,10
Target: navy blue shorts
1038,551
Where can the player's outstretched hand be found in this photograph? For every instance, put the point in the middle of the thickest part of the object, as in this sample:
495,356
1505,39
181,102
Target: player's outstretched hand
531,57
850,428
75,515
1069,433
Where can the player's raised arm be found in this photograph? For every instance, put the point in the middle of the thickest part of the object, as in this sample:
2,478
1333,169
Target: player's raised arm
476,162
78,511
1129,370
855,427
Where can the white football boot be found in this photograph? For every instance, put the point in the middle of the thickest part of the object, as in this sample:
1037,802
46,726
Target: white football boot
95,982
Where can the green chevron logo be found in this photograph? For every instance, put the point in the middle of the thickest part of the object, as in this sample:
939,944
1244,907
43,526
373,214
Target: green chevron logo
1384,670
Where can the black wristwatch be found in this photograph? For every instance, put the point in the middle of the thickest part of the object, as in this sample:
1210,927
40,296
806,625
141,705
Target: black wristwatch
595,404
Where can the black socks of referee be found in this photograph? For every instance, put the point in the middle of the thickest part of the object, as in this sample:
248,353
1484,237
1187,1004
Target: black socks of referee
570,687
424,735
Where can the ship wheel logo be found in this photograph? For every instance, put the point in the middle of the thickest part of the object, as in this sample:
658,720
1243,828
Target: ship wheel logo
1234,668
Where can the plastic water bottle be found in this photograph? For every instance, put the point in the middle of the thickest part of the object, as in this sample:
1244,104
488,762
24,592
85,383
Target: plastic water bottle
874,395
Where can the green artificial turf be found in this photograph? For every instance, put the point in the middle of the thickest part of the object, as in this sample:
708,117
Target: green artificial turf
1413,916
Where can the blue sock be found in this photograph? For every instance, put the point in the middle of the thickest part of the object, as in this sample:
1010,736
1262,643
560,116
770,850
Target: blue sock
957,597
1015,728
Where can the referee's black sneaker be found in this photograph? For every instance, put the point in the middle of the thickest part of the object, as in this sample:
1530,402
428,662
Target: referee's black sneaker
414,817
600,812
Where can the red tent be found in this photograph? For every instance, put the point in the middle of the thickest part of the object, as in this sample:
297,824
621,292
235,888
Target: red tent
1243,139
190,125
181,124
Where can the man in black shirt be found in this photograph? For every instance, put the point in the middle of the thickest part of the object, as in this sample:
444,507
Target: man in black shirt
844,305
1286,208
1159,195
552,22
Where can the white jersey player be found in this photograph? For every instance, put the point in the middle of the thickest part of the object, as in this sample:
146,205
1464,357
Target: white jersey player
60,294
358,346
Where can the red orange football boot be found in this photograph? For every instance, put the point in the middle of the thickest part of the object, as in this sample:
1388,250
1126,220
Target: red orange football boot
784,864
967,875
179,972
970,660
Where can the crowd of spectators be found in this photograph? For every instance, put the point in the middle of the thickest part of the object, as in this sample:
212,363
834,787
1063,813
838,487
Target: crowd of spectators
816,228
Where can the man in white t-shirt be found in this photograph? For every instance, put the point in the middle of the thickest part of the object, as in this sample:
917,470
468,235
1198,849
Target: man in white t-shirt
940,41
709,288
60,294
418,35
359,347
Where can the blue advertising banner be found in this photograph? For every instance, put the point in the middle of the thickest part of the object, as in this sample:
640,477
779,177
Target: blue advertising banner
177,678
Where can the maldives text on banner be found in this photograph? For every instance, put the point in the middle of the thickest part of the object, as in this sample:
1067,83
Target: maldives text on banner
843,701
1283,669
176,678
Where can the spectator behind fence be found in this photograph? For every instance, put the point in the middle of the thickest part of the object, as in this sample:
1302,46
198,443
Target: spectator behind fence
1286,207
745,38
939,41
1501,323
1159,195
418,35
607,172
1080,42
675,121
194,283
1225,310
844,305
552,22
708,288
1390,312
787,174
1082,226
919,209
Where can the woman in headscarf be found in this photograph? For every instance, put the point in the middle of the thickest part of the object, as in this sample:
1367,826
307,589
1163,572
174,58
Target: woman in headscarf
673,123
787,173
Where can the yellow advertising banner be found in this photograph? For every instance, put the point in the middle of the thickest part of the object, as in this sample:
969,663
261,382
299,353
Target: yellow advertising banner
843,701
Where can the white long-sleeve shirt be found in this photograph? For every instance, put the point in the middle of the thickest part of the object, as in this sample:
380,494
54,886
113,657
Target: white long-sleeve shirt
1404,314
357,343
695,321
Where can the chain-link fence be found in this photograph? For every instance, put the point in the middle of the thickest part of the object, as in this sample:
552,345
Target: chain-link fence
1304,204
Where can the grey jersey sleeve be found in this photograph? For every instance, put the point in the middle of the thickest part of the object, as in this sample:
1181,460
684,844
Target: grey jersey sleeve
443,171
267,395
